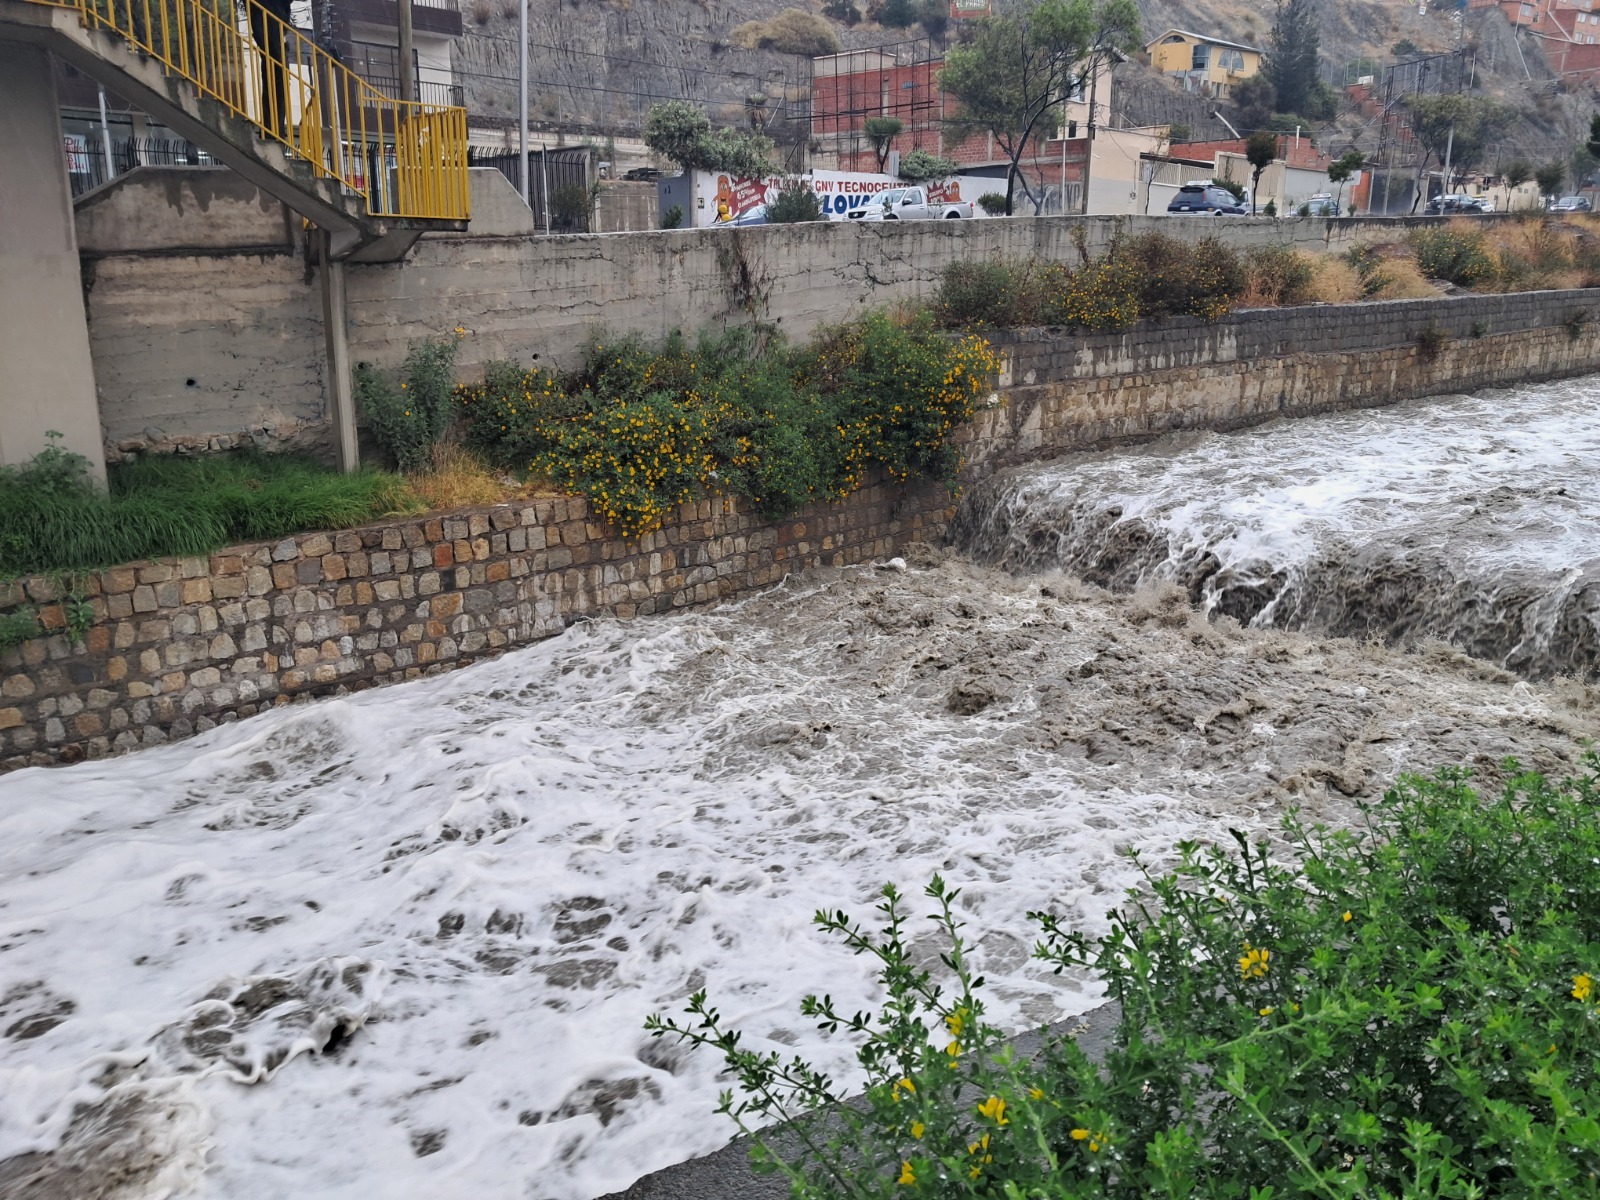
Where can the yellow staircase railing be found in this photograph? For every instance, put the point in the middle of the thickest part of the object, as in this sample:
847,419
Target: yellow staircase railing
405,158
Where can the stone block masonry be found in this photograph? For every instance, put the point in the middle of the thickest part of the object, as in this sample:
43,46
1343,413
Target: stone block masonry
180,645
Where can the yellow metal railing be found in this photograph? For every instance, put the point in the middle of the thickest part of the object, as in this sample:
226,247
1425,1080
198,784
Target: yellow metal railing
407,159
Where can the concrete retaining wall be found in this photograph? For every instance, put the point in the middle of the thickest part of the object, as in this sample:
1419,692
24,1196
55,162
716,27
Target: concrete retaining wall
206,325
180,645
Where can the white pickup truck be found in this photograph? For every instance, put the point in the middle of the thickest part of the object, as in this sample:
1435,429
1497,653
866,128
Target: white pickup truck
911,204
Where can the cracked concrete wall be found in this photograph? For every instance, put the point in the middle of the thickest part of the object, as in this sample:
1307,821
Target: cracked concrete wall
208,349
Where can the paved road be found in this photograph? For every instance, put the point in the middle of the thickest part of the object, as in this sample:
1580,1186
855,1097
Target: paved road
726,1175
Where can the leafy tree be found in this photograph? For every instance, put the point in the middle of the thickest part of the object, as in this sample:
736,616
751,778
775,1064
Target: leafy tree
794,203
1256,100
843,11
1232,186
898,14
1583,165
1322,102
1518,173
1260,150
1179,131
934,17
677,130
881,132
1292,47
1340,170
1404,48
1458,126
680,131
1550,178
1019,66
919,166
1594,135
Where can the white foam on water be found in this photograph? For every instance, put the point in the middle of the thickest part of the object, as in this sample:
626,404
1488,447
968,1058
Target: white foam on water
1454,506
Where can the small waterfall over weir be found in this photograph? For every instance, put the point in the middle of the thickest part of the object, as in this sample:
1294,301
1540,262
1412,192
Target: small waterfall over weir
1473,520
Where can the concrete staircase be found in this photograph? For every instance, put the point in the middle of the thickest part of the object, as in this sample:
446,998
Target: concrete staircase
299,171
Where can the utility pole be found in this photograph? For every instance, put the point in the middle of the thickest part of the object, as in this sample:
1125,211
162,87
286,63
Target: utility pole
522,104
408,51
1449,150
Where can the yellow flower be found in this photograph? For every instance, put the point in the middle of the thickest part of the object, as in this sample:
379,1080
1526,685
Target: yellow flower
907,1175
1036,1094
1079,1135
1347,915
1582,987
1253,963
954,1023
953,1049
906,1086
918,1129
1266,1012
995,1109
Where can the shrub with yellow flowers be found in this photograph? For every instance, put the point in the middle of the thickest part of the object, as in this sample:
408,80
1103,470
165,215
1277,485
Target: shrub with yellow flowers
640,429
1408,1011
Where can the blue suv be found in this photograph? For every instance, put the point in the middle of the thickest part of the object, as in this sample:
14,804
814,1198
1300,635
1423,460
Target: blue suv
1205,198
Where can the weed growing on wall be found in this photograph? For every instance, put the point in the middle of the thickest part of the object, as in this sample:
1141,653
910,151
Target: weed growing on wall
410,416
641,429
1409,1011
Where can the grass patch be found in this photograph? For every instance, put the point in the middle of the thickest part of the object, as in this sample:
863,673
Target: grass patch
52,518
459,478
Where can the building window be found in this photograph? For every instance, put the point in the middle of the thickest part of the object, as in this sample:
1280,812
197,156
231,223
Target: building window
1202,58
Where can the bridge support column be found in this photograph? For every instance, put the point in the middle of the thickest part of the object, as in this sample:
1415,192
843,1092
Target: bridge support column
338,384
46,375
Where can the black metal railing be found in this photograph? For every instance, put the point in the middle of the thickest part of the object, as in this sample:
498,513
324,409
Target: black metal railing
86,158
563,175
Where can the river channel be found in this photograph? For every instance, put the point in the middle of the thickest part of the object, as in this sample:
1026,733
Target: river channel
403,943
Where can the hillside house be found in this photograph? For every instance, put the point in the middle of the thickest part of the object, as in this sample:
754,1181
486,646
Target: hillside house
1208,66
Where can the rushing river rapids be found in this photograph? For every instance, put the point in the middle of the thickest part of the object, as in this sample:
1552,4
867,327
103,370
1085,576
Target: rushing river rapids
403,943
1474,519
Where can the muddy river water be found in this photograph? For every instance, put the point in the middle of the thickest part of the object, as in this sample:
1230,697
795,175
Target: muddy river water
402,944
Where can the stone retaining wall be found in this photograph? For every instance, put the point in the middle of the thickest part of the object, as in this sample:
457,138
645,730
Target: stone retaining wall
180,645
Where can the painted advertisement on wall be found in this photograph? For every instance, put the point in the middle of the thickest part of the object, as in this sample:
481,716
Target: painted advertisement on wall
721,200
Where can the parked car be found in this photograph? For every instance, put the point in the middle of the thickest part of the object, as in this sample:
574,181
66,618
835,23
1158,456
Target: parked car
642,174
1457,204
1206,198
1571,204
912,204
1322,205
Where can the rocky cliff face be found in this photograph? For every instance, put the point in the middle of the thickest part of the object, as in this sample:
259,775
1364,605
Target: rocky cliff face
598,65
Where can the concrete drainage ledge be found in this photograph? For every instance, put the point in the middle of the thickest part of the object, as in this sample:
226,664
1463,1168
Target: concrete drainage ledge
726,1175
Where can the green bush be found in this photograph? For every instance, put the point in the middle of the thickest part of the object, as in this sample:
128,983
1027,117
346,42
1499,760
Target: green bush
991,292
52,518
1408,1011
993,203
507,417
1459,256
672,218
1177,278
410,418
1279,275
1150,275
794,203
639,430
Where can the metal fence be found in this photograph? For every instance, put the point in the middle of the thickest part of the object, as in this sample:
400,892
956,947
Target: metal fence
86,158
562,175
